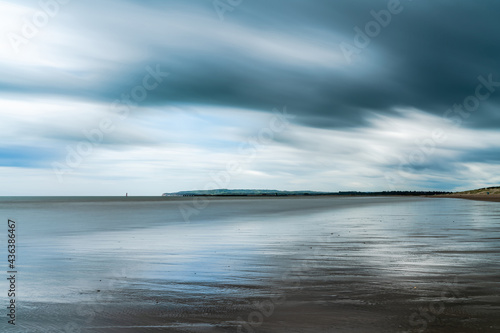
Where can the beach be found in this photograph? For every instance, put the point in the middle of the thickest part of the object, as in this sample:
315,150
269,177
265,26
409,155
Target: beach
479,197
288,264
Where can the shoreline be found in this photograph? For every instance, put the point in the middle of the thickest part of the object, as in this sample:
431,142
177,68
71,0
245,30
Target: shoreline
477,197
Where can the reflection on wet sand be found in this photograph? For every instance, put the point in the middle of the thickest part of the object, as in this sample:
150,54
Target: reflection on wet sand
261,265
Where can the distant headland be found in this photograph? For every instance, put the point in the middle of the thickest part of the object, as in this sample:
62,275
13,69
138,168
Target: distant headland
254,192
483,194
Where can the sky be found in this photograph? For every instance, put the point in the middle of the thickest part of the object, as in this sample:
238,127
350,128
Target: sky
146,97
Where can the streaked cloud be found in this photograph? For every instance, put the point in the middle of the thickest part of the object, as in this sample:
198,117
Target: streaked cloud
365,125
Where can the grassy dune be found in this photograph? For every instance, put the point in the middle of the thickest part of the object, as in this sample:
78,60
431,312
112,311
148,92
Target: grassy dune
483,191
483,194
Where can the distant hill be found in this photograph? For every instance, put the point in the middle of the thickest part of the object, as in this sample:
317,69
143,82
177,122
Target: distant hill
253,192
242,192
483,191
484,194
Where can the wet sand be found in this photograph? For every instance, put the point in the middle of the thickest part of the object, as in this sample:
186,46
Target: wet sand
268,265
359,305
479,197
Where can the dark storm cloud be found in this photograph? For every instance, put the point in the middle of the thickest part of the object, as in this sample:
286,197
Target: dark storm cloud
428,57
491,156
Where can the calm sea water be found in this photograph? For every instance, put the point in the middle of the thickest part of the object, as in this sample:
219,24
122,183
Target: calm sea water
102,251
